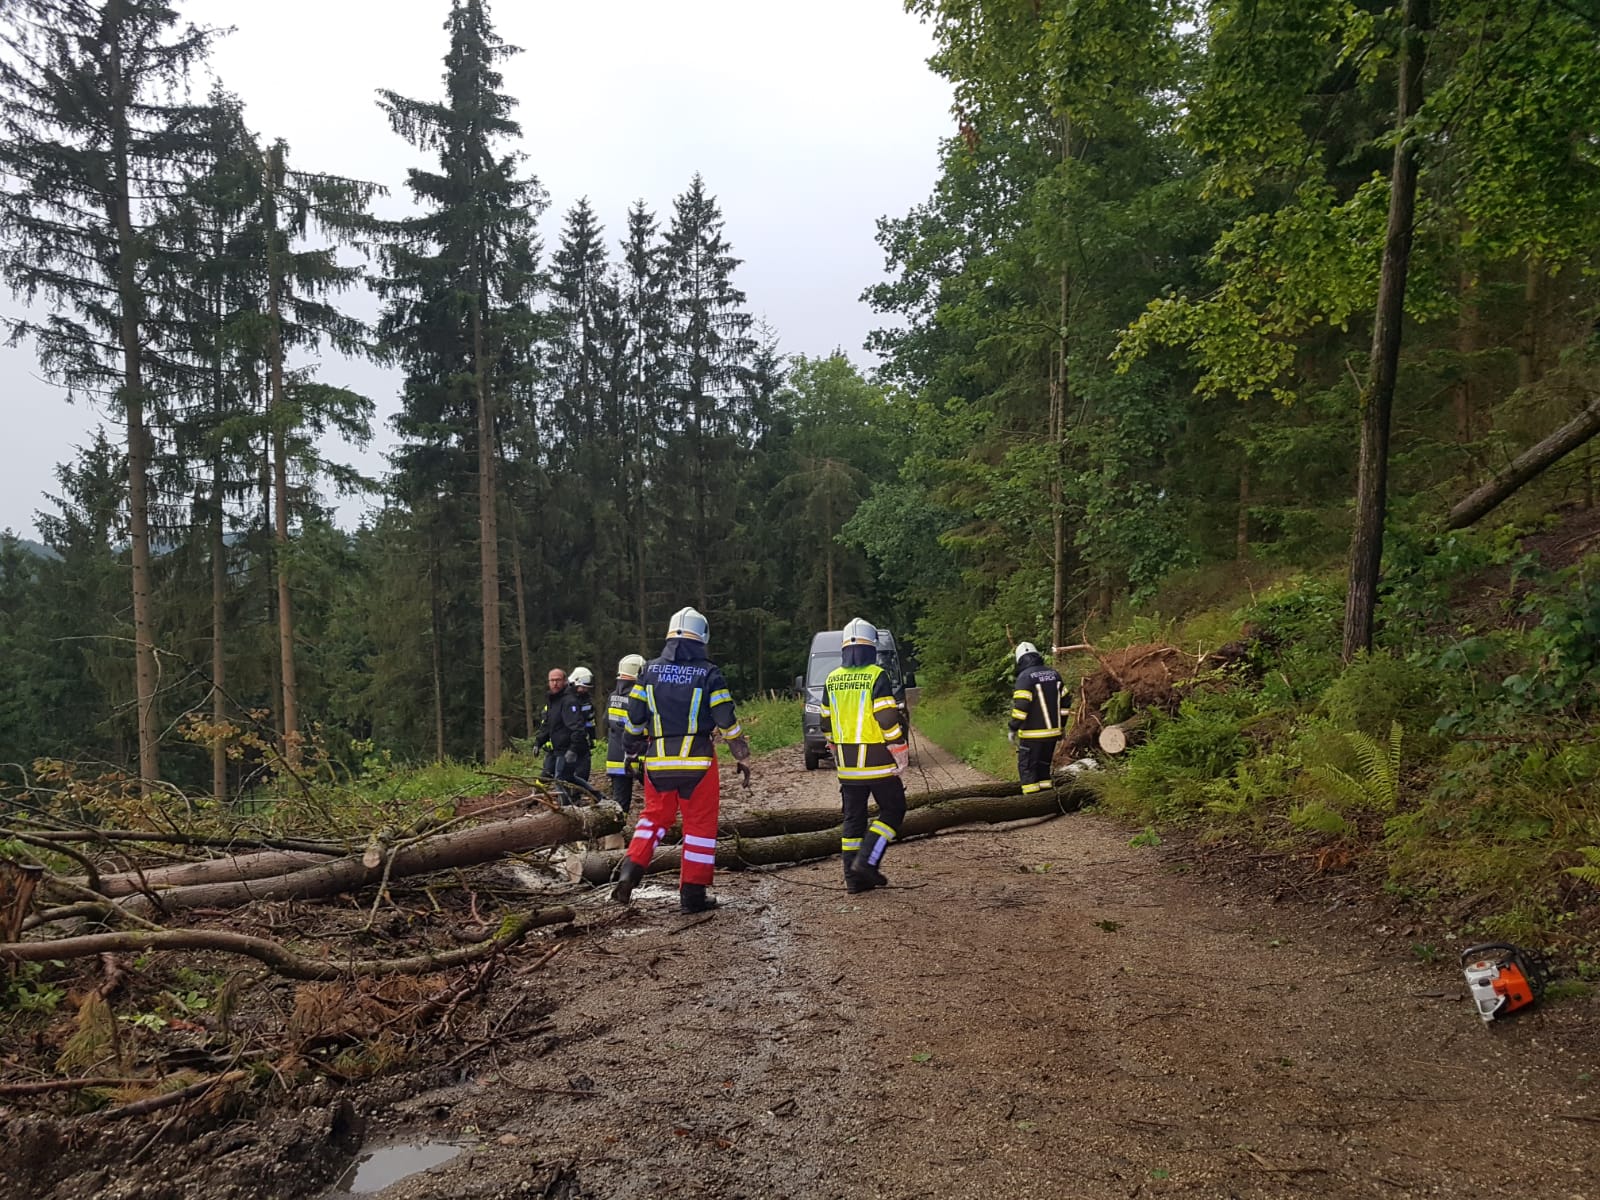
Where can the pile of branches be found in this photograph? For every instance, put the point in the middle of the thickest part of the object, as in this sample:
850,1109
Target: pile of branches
256,953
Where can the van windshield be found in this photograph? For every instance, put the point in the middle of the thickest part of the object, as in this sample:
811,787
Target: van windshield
822,662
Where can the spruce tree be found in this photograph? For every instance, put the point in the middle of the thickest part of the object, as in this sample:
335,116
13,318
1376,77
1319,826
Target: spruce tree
710,386
459,278
94,124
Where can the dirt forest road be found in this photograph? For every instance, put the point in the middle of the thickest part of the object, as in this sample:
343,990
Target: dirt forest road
1041,1011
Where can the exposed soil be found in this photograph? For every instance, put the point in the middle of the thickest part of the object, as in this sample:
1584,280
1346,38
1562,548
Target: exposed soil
1040,1010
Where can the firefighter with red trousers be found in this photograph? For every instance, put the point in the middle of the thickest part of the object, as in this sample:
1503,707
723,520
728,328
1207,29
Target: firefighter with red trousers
679,701
1037,700
861,720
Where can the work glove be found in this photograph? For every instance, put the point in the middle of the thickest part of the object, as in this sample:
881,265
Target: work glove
902,757
744,770
1011,736
571,757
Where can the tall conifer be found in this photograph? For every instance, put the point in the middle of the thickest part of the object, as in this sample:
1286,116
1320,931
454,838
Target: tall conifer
94,124
459,277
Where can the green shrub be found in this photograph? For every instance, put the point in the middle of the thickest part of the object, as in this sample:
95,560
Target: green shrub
1376,690
1203,743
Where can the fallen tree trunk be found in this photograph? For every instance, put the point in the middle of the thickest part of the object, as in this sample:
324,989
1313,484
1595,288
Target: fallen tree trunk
1527,466
776,822
1116,739
283,961
441,852
261,864
737,853
240,842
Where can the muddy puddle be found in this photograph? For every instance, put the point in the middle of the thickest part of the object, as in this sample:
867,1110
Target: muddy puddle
380,1166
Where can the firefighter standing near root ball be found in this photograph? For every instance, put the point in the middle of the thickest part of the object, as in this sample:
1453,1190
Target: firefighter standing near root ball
861,720
679,701
1037,698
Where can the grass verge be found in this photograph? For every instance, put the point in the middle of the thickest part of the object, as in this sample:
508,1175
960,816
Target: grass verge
977,741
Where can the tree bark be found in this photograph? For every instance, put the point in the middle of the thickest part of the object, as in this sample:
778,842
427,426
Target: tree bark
130,303
280,463
522,629
283,961
1366,546
1527,466
488,546
733,854
1241,533
236,867
442,852
436,632
1466,347
1528,347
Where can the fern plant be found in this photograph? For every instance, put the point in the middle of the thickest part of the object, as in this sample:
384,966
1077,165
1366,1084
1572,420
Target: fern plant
1376,784
1590,871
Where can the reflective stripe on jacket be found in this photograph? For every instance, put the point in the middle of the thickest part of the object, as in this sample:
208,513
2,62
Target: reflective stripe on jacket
617,729
861,717
677,703
1037,699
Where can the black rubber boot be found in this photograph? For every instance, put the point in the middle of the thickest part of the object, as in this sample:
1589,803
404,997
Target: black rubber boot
692,898
851,884
860,875
628,877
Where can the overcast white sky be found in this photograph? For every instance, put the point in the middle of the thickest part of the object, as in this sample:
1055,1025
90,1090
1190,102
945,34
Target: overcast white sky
808,118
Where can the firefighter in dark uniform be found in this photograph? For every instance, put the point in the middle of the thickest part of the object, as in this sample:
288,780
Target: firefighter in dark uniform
861,720
569,727
1037,701
552,718
678,703
619,765
583,683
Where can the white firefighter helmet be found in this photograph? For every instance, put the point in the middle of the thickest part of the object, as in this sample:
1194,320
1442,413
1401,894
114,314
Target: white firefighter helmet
687,623
860,633
1024,649
630,666
581,677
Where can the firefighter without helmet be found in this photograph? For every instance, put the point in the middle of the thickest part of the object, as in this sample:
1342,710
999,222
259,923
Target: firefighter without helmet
860,633
687,623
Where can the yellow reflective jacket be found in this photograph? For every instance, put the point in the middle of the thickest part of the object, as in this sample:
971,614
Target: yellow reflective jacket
861,718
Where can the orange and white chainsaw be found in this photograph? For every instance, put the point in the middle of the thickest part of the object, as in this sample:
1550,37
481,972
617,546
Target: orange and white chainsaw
1503,978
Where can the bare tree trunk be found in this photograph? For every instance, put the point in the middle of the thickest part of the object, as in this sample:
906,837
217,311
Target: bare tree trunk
488,550
1528,348
436,627
1466,346
522,627
1241,536
130,302
280,465
1526,466
219,660
827,514
1060,388
1366,546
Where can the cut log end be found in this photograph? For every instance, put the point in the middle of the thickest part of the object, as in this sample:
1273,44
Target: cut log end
1118,739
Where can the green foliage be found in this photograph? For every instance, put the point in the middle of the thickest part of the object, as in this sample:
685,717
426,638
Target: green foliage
1375,784
1169,774
1589,870
977,739
1376,691
771,722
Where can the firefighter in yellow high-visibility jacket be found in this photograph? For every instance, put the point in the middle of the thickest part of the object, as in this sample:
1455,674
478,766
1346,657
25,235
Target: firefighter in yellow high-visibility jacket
861,720
1037,700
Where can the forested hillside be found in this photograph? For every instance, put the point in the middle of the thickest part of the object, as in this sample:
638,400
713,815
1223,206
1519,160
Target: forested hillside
1206,293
